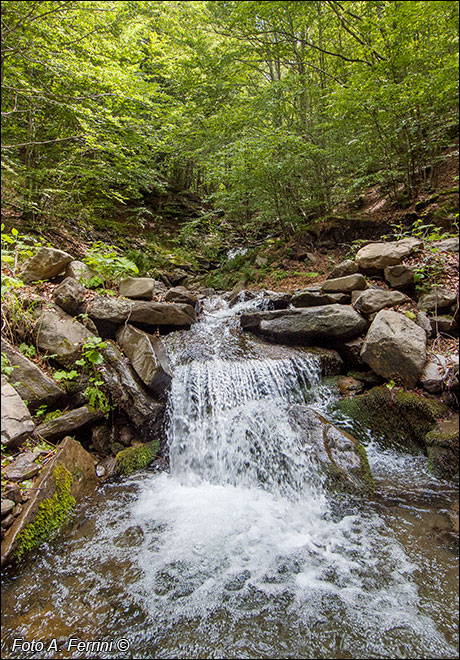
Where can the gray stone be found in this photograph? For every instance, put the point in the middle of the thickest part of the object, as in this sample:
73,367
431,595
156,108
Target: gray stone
373,300
23,467
447,245
377,256
137,287
423,321
7,507
395,347
47,263
29,381
438,298
101,439
69,422
434,374
60,334
17,423
148,357
145,414
12,492
69,295
117,311
345,284
400,276
260,261
180,294
80,272
314,297
445,324
347,267
251,320
328,322
278,299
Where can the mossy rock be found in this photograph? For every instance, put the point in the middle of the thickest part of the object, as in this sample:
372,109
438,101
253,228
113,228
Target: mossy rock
442,448
398,418
135,458
52,512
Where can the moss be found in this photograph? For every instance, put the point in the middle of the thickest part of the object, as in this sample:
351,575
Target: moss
399,418
365,474
135,458
51,514
442,448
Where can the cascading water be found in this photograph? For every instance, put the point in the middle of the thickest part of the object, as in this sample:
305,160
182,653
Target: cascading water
239,552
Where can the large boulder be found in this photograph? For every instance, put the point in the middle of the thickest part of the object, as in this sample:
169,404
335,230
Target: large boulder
377,256
47,263
438,298
373,300
251,320
395,347
313,296
400,276
180,294
326,323
69,422
347,267
148,357
108,313
345,284
31,383
80,272
69,295
60,334
144,413
137,287
17,423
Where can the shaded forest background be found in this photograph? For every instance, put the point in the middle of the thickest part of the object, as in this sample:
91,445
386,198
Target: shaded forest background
242,119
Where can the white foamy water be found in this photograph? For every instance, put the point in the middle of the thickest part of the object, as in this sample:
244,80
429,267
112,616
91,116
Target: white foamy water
239,552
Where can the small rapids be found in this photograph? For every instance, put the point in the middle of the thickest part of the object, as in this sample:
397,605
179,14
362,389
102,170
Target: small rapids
239,551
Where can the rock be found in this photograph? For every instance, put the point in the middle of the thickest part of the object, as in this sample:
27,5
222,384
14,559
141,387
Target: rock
422,320
145,414
330,360
447,245
252,320
349,385
395,347
67,477
278,299
241,295
329,322
60,334
137,287
101,439
207,291
30,382
377,256
108,313
345,284
11,491
69,295
7,507
341,458
434,374
17,510
135,458
173,278
148,357
23,467
437,298
354,296
69,422
47,263
442,447
7,521
180,294
347,267
80,272
400,276
446,324
17,423
373,300
350,352
397,418
314,297
106,467
260,261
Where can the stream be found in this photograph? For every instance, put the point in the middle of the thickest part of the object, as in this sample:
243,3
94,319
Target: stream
239,551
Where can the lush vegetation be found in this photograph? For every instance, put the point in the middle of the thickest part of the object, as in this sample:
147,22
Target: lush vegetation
270,112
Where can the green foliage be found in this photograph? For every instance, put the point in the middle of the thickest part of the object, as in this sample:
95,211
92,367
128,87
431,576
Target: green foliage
28,350
17,247
135,458
52,512
92,357
108,262
65,376
7,368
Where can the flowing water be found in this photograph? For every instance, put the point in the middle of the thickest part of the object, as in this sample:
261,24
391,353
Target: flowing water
238,551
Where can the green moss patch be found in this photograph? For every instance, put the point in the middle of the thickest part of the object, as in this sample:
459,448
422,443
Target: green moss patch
51,514
399,418
135,458
442,448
